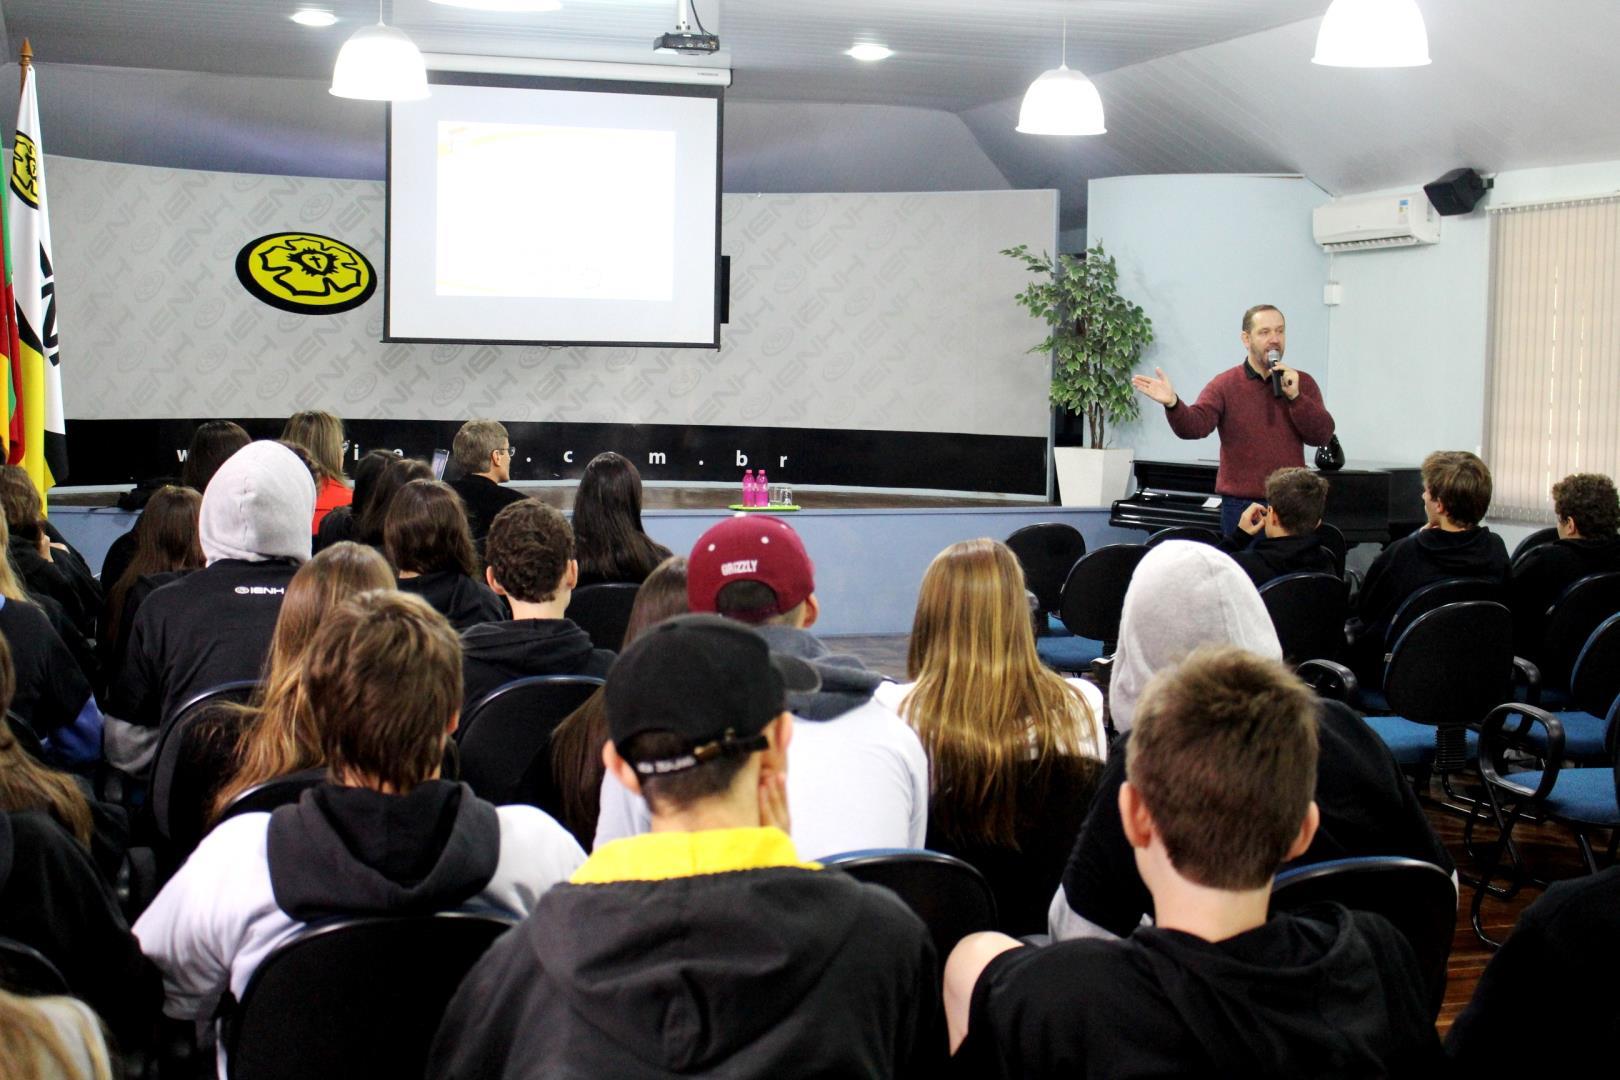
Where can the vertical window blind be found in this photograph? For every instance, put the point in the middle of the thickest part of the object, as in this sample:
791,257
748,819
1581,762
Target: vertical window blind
1554,405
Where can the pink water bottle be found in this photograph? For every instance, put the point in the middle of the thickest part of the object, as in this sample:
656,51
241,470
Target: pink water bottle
748,488
762,489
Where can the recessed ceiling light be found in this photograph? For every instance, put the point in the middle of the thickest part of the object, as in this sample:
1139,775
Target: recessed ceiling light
869,51
510,6
313,17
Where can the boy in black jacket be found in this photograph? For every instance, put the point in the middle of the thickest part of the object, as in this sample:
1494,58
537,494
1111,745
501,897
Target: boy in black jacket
530,555
1456,497
1221,770
1588,514
705,947
1296,498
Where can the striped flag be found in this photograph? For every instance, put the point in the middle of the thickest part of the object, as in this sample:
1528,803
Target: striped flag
12,432
37,359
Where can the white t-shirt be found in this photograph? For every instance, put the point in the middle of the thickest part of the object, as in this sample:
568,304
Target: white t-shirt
1090,736
854,782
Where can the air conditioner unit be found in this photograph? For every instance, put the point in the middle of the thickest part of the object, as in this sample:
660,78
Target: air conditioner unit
1368,222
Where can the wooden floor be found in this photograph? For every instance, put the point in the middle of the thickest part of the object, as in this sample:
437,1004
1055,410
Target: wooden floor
1548,850
1550,854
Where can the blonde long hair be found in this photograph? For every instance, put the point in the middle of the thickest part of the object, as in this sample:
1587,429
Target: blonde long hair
280,736
320,433
983,701
32,1046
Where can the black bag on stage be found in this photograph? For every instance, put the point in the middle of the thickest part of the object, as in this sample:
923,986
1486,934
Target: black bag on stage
1330,458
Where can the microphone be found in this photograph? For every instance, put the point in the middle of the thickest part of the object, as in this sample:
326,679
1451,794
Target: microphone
1273,358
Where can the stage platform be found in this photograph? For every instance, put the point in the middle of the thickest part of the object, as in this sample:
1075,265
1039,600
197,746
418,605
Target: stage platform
870,548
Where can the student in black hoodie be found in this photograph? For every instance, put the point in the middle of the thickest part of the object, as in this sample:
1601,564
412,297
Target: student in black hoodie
1456,497
1588,521
50,693
706,947
1221,770
47,566
52,897
1554,973
383,835
425,537
1295,499
530,550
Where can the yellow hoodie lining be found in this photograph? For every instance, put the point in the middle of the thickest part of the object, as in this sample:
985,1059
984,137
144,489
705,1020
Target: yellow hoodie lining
662,856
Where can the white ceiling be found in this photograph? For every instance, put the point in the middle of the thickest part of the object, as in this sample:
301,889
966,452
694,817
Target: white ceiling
1189,86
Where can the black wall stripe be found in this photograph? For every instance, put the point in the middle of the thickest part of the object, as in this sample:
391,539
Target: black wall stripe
124,451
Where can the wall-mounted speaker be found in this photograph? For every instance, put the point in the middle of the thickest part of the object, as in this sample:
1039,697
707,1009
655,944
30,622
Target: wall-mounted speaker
1456,192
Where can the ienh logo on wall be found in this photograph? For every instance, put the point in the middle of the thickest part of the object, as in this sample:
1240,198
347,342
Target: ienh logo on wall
305,273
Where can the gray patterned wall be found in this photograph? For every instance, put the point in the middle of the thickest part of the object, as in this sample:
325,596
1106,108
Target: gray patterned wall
847,311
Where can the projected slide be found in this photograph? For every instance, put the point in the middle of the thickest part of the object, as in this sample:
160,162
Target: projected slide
554,212
547,211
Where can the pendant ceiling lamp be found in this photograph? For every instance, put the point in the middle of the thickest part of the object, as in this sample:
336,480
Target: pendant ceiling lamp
1372,34
380,63
1061,101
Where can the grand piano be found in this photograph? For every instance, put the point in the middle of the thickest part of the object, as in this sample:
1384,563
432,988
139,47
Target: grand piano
1370,504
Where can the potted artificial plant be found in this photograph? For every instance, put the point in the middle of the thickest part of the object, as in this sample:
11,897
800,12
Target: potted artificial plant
1096,339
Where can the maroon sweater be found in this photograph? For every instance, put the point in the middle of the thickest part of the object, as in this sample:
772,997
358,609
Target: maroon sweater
1259,433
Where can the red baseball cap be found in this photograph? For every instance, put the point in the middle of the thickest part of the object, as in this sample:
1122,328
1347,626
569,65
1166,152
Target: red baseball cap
750,547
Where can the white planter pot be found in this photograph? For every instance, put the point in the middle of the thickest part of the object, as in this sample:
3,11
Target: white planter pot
1092,477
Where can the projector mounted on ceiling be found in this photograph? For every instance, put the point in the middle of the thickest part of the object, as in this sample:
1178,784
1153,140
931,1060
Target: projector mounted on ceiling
683,39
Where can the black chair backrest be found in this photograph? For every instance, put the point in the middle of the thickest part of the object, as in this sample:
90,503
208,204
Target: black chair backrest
1094,594
1595,681
1417,897
1047,552
1333,541
1308,611
1198,534
265,797
603,611
1453,664
185,772
25,735
27,971
1573,617
1438,593
1533,541
506,738
951,898
354,997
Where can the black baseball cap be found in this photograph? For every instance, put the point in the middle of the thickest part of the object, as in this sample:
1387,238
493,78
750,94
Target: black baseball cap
711,681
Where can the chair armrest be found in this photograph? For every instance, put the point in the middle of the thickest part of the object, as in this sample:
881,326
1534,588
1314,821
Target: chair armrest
1329,679
1531,675
1492,740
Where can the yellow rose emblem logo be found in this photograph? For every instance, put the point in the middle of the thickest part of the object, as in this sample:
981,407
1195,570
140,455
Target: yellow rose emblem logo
25,170
305,273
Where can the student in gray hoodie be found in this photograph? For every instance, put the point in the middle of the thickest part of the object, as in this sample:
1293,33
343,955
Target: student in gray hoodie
214,626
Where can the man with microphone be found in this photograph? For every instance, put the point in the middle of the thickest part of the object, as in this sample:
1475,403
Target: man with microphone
1266,412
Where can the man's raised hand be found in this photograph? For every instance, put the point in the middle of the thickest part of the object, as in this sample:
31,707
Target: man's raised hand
1159,389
